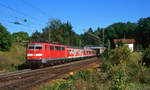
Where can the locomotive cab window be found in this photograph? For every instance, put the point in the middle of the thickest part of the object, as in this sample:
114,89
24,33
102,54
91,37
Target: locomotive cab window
30,47
39,47
35,47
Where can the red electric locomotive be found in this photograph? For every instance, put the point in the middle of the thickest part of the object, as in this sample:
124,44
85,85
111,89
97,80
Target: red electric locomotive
39,54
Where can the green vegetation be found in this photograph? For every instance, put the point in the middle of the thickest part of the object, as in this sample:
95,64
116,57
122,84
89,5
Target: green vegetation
21,37
57,32
5,39
62,33
143,32
122,70
87,39
13,59
146,56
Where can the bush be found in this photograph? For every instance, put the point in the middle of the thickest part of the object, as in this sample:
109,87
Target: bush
105,54
59,85
105,65
119,81
119,54
14,58
82,74
146,56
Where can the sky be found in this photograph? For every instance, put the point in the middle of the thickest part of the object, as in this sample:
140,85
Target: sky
82,14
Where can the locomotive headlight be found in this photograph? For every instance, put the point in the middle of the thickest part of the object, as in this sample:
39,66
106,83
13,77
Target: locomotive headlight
29,54
38,54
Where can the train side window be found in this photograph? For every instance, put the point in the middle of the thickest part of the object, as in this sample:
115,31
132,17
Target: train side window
52,48
69,51
59,48
62,48
56,48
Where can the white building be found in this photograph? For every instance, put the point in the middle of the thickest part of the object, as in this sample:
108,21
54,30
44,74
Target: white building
128,42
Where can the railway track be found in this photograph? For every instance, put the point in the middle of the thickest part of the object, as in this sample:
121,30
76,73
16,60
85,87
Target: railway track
29,78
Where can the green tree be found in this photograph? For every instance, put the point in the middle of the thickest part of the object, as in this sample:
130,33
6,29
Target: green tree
146,56
120,30
21,37
120,43
58,32
90,38
143,32
5,39
36,37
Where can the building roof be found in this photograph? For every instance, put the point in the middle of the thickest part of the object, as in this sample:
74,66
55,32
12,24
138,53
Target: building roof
124,40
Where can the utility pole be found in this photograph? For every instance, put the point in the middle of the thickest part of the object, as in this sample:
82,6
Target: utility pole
124,36
103,37
49,36
108,47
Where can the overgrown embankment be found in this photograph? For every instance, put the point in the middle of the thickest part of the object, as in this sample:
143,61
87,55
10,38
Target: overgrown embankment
11,60
120,70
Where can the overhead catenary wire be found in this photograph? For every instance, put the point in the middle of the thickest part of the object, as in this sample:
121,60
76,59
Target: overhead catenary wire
16,22
24,21
10,16
34,7
12,26
19,12
37,9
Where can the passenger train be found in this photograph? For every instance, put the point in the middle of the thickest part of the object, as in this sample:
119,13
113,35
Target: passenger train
43,54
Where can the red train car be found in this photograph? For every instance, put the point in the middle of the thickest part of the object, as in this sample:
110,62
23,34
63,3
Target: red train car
46,53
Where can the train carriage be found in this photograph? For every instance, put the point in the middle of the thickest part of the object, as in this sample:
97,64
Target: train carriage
46,53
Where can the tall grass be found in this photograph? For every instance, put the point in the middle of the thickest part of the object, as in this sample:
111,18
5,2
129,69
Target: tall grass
9,60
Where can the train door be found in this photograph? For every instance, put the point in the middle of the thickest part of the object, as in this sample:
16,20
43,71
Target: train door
47,51
52,51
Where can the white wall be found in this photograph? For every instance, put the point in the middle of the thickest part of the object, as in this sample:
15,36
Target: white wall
131,46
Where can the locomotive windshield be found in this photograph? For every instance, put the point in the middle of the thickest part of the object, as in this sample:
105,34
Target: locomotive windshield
35,46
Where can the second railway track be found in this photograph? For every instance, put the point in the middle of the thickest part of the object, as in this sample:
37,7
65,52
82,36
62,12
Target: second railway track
26,80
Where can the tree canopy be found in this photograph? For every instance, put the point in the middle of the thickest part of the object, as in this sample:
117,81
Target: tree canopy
58,32
5,39
21,37
143,32
119,31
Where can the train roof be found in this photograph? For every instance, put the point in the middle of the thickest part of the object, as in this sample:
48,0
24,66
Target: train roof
47,43
59,45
